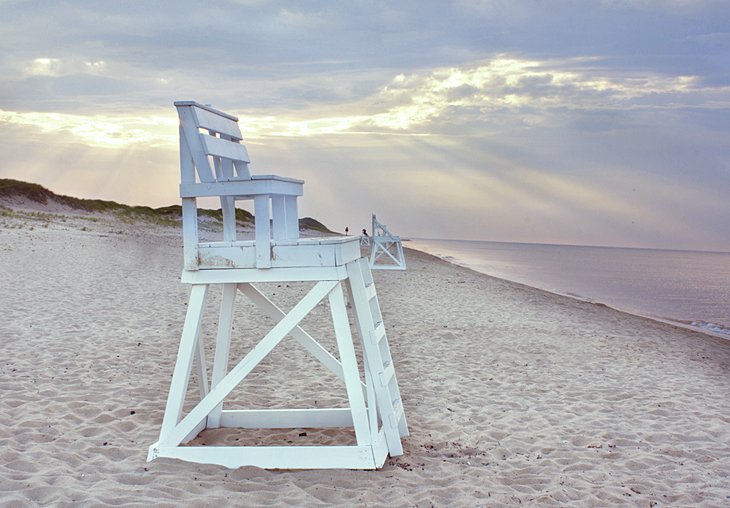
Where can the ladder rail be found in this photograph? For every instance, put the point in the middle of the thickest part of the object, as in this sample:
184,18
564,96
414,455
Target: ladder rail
380,361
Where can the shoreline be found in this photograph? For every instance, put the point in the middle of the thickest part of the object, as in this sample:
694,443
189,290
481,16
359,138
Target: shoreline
674,322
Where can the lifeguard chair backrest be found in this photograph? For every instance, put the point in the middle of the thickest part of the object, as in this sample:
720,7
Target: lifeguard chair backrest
379,229
211,141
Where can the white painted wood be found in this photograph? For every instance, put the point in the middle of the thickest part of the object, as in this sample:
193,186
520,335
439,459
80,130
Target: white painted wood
303,274
270,309
190,234
376,439
200,367
235,255
278,217
206,107
380,339
386,251
313,255
379,333
249,362
187,167
217,169
398,411
192,138
223,148
228,207
292,217
242,172
372,404
276,254
370,291
263,231
277,178
387,375
273,457
384,394
217,121
380,449
241,188
226,169
194,433
349,365
183,364
222,347
281,254
321,418
370,385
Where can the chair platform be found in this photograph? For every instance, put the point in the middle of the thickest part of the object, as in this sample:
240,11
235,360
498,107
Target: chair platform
296,253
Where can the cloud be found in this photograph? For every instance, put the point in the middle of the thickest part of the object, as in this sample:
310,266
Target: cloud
100,130
413,104
551,121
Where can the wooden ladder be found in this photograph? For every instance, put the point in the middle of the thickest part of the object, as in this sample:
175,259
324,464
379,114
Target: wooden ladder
379,368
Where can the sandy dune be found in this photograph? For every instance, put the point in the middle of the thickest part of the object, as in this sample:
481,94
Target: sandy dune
513,395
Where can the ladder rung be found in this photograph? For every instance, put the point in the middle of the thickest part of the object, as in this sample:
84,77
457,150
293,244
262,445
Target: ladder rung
397,411
379,332
387,375
370,291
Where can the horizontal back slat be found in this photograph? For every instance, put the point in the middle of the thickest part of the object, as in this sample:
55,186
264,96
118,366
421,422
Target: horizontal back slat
207,120
224,148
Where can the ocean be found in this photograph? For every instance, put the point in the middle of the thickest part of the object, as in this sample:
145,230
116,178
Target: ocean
686,287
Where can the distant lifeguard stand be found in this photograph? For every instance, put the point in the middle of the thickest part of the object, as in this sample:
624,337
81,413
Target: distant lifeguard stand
214,162
386,249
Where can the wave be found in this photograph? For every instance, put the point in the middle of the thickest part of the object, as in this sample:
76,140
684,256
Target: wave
715,328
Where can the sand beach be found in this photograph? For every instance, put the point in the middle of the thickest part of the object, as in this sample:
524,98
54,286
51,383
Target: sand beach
514,396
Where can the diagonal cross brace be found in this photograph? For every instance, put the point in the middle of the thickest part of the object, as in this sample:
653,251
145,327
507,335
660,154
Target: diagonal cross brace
307,341
386,251
248,363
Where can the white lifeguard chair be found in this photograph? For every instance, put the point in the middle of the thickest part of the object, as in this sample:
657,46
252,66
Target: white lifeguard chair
214,162
386,251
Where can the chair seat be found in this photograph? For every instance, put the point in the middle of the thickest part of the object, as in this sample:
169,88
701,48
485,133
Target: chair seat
294,253
244,187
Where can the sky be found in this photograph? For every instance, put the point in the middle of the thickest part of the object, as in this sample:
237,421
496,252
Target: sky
595,122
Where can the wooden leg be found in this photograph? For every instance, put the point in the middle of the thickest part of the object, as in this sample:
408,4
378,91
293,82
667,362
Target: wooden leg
349,366
369,386
222,347
278,217
292,217
183,364
200,367
228,208
262,232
